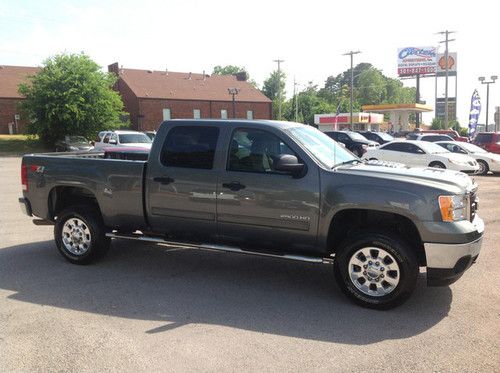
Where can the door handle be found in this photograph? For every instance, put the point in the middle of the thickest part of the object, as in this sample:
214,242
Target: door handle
163,179
234,186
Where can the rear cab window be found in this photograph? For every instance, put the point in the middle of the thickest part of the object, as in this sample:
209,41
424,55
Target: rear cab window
190,147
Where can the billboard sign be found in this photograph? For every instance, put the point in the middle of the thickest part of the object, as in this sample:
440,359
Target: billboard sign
452,64
417,60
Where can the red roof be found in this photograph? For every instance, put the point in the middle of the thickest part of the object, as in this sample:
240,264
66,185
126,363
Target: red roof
11,77
188,86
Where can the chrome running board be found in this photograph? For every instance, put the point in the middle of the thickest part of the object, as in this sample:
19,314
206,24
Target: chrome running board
212,247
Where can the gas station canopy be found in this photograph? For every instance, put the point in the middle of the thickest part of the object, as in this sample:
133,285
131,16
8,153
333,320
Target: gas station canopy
398,113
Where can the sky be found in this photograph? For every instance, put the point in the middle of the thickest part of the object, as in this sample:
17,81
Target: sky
310,36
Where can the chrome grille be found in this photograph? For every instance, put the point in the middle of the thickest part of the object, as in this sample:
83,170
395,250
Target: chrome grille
474,204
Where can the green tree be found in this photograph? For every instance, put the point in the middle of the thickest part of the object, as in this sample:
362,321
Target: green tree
228,70
71,96
231,70
270,89
371,88
437,124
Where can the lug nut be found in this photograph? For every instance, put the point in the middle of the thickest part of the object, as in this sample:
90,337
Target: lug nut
377,264
382,275
381,268
370,262
364,272
365,266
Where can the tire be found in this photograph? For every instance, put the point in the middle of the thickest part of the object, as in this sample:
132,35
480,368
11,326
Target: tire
483,167
437,165
389,260
80,234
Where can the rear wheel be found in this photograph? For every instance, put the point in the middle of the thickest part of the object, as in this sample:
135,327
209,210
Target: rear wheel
483,167
437,165
80,234
376,270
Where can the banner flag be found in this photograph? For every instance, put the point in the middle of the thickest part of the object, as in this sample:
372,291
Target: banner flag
475,110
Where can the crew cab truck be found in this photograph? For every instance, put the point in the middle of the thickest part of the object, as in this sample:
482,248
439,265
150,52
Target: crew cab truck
276,189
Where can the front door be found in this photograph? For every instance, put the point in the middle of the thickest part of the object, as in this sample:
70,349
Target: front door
181,185
260,207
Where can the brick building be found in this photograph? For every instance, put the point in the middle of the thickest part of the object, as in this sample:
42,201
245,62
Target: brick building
153,96
10,78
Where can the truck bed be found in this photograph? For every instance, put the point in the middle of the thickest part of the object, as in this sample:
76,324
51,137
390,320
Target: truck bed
117,184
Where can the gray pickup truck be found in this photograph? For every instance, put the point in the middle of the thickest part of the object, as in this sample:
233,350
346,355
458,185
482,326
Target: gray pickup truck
275,189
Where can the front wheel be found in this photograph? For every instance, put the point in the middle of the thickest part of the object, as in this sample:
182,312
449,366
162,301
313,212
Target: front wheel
80,234
437,165
376,270
483,167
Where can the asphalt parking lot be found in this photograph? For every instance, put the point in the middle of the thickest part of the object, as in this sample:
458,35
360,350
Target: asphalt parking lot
146,308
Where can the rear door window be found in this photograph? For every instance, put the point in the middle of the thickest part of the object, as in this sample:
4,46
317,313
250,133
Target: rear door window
190,147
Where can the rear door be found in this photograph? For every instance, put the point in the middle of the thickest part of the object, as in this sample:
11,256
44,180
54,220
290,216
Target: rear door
260,207
181,184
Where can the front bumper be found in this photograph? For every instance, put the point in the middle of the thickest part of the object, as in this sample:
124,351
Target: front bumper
446,263
25,205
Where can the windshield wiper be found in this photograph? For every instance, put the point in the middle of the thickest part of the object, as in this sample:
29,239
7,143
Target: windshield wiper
347,162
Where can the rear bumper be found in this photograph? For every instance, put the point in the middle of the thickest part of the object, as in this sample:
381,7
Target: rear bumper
446,263
25,205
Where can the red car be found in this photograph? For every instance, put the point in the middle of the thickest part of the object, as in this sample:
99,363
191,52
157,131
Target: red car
450,132
489,141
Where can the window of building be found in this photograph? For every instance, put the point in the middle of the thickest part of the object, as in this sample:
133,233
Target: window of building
249,114
223,114
196,114
255,151
166,114
190,147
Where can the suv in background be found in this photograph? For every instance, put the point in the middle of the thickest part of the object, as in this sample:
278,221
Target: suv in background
427,137
380,137
124,139
489,141
353,141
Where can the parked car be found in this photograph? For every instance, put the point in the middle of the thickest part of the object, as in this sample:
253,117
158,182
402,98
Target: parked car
274,189
353,141
422,154
73,144
487,161
123,138
427,137
450,132
150,134
489,141
126,152
380,137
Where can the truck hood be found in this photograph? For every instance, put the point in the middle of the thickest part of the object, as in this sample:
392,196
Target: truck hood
451,181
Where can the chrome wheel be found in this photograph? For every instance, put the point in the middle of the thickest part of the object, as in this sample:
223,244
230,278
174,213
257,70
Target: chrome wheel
76,236
482,167
374,271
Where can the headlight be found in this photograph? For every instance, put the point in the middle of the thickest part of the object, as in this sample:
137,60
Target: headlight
453,208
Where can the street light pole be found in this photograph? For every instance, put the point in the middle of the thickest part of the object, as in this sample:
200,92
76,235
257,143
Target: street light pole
351,53
233,92
482,79
279,87
446,41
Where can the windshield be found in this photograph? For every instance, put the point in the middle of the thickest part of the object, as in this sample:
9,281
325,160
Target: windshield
323,148
356,136
432,148
385,136
472,148
77,139
132,138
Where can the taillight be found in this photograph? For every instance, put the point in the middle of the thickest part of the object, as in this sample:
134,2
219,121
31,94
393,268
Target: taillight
24,175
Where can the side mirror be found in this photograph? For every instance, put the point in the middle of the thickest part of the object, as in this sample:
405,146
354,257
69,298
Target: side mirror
113,142
289,164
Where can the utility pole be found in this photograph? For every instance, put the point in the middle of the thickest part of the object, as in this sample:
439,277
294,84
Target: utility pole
296,98
351,53
279,87
446,41
233,92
